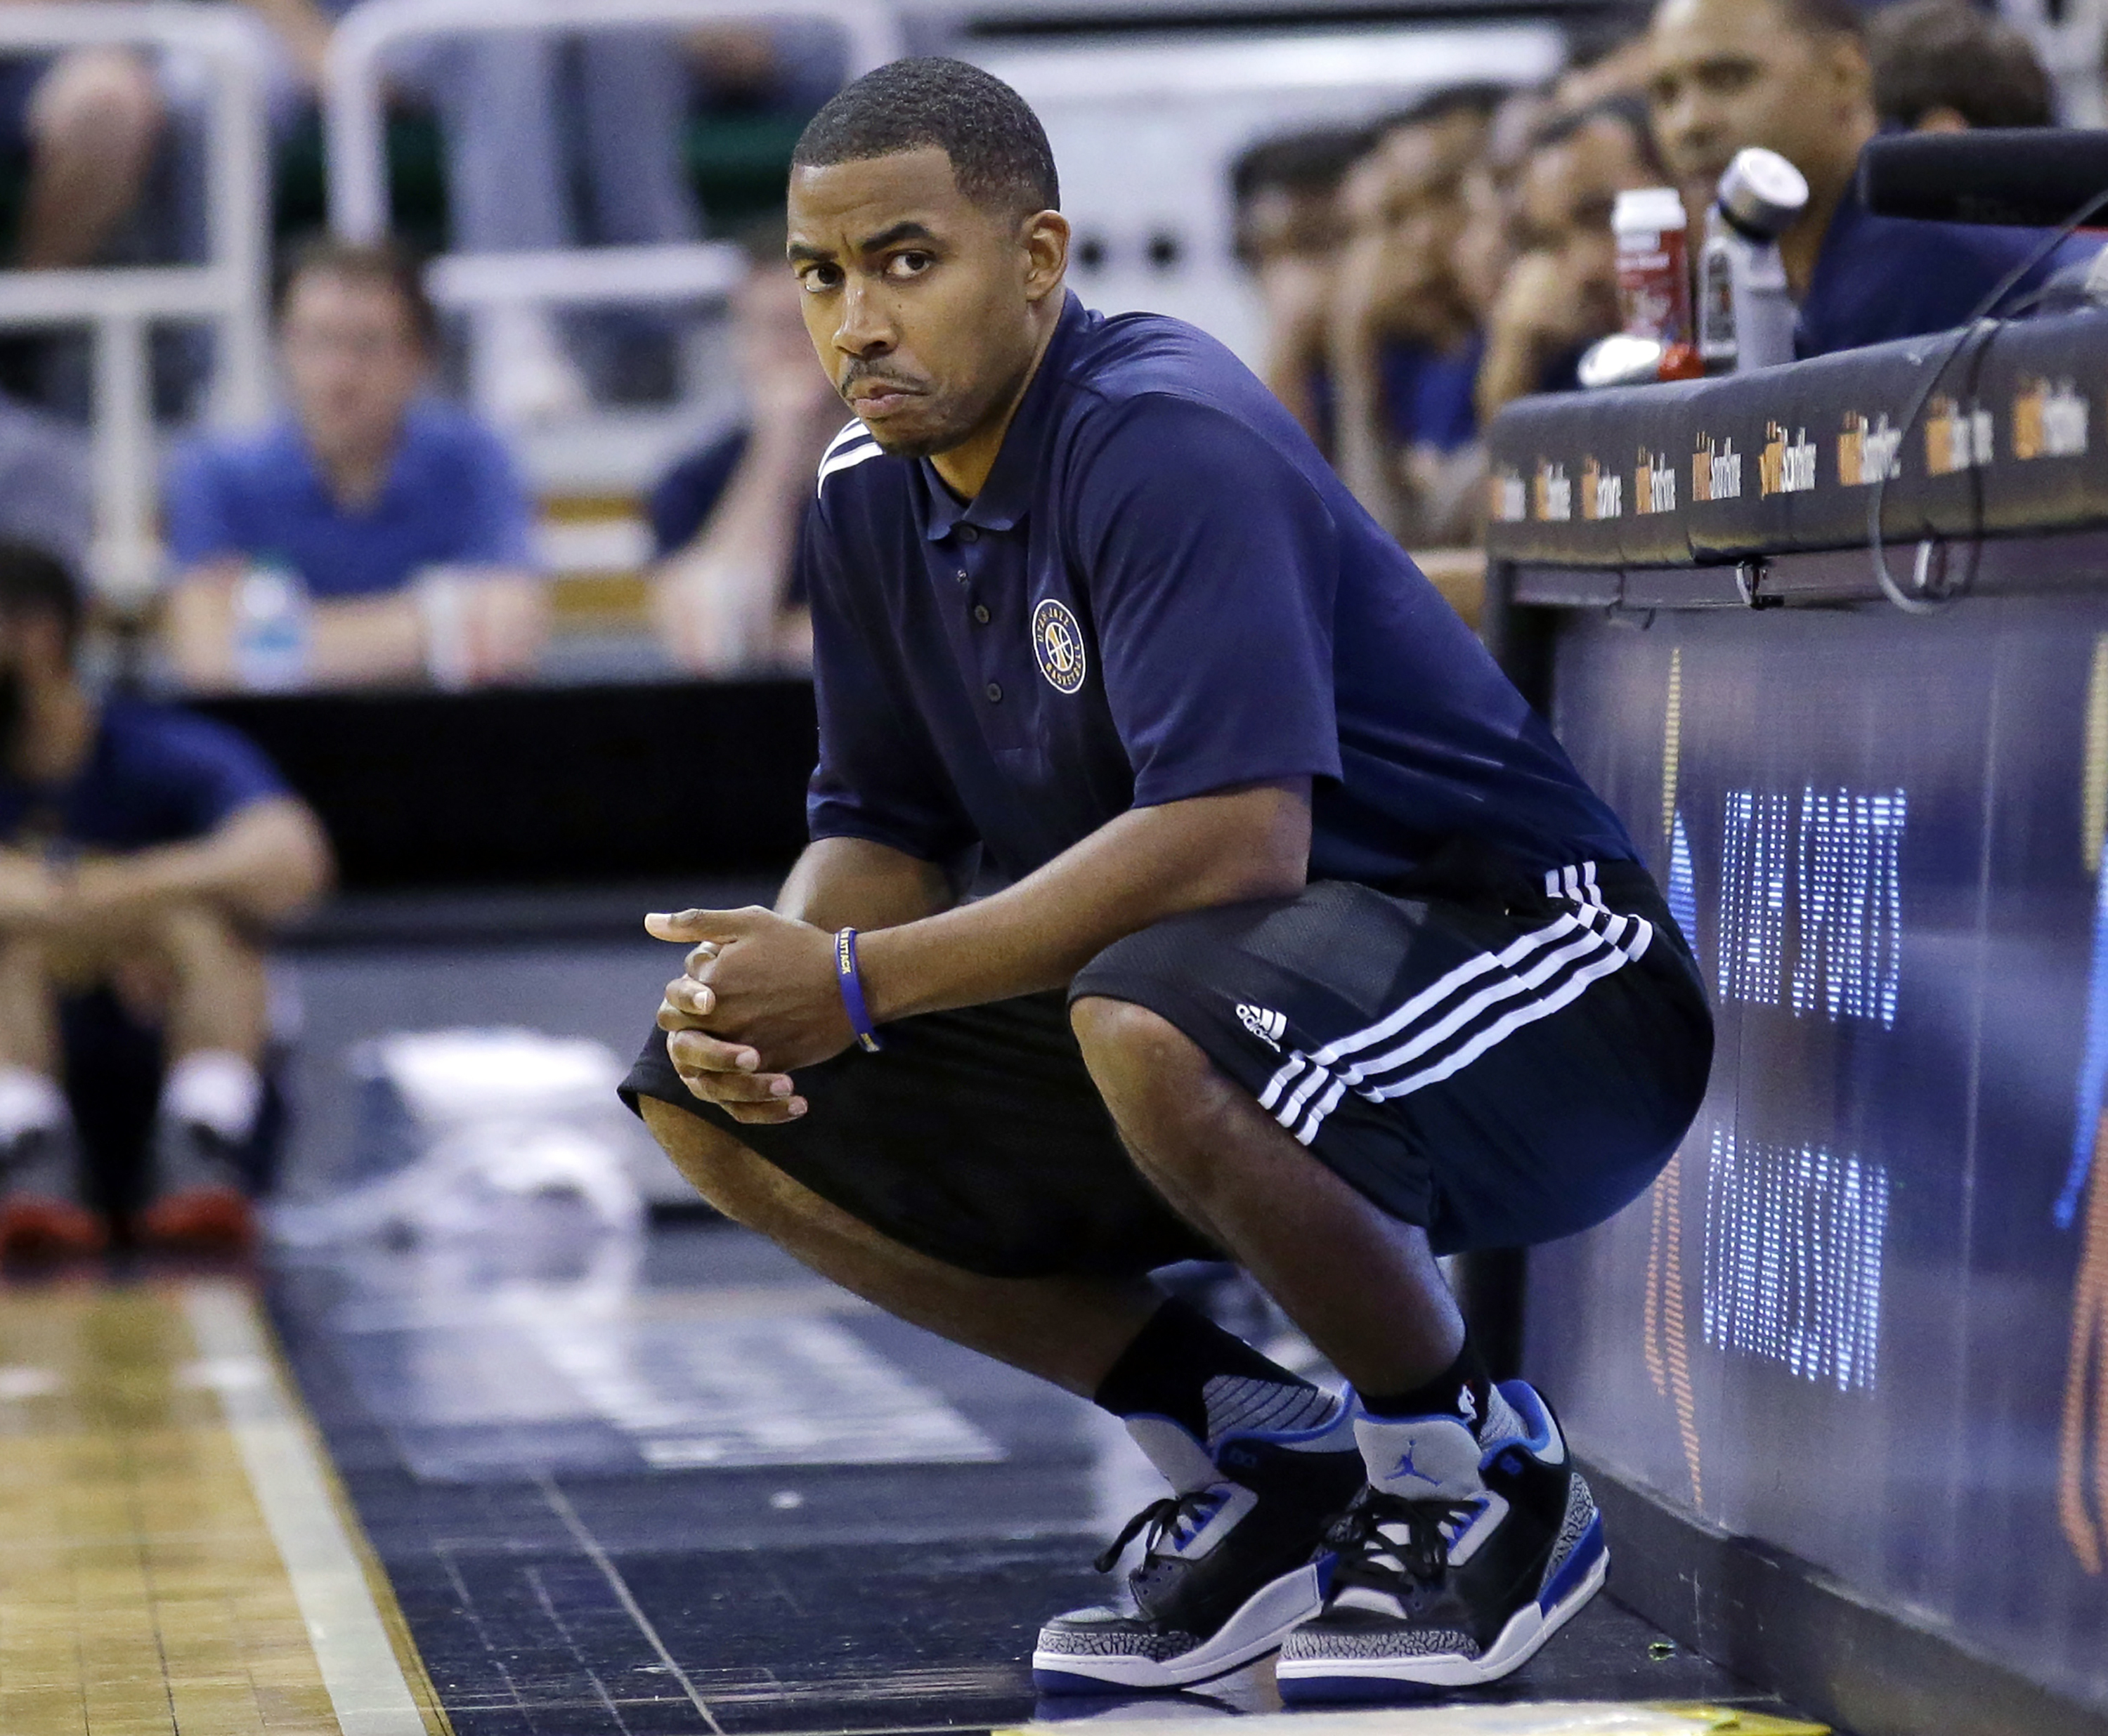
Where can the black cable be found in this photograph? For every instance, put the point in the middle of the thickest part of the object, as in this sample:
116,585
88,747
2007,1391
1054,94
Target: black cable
1980,320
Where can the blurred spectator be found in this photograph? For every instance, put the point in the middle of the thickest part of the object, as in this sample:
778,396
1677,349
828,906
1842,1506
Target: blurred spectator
1614,63
1947,65
82,126
1404,340
1561,293
406,520
726,519
144,855
1489,241
45,499
1289,234
1793,75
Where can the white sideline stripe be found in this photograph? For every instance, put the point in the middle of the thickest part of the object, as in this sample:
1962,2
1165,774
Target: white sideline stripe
847,461
352,1648
852,429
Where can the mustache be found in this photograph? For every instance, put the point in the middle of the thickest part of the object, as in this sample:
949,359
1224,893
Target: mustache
863,373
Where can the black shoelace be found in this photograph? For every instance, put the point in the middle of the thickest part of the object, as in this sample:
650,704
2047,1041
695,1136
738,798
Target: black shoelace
1357,1537
1161,1519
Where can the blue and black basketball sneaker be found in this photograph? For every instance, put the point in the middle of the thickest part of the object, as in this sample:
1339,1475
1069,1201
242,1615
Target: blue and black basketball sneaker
1230,1562
1464,1555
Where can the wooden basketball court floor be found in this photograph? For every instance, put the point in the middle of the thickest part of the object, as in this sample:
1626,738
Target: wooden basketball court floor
618,1489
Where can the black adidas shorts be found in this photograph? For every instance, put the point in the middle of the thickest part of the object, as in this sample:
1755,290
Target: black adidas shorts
1504,1059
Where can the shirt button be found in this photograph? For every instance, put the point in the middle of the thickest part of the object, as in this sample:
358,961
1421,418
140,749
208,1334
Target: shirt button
968,534
961,575
995,693
981,613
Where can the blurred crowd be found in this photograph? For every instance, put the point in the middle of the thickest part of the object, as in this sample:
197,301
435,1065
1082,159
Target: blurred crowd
1419,273
1416,273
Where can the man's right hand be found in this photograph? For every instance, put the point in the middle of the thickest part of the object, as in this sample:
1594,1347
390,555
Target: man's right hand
727,1074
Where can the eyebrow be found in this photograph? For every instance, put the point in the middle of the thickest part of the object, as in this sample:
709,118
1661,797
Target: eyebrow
908,229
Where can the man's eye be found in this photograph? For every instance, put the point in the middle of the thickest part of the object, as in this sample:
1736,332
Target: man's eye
910,264
819,278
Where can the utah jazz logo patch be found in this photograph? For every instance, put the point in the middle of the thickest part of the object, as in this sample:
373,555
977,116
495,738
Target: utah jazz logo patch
1058,643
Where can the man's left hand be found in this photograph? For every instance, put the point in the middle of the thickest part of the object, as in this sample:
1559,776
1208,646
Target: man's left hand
758,978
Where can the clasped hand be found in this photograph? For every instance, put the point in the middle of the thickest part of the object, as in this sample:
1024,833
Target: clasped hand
757,998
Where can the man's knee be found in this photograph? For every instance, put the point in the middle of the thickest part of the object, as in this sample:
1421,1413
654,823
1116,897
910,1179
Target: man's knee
200,939
747,1189
1145,1067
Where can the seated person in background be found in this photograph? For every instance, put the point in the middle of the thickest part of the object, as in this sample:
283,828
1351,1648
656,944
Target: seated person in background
1793,75
1560,295
405,520
1947,65
725,520
145,854
1404,344
1286,192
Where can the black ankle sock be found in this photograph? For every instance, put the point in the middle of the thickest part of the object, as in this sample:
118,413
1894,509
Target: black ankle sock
1183,1366
1463,1390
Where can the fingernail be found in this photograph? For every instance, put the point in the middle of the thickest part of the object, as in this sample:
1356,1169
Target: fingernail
797,1105
749,1060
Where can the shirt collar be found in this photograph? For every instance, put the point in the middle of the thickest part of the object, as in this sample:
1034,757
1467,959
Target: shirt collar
1006,495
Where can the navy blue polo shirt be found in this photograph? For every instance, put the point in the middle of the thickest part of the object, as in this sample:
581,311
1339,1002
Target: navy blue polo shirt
1878,278
1162,591
154,776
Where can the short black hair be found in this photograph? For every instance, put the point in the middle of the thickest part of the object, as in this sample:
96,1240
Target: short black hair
1947,54
1315,160
388,263
999,154
1625,110
1476,101
1827,17
35,582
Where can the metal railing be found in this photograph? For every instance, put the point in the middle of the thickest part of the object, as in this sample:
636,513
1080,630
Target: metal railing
120,303
671,272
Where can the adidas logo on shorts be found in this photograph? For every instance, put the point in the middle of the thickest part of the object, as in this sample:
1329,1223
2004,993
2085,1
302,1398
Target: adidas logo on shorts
1267,1026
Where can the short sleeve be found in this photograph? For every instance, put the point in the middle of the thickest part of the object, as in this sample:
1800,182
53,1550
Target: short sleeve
197,509
1211,569
684,498
498,527
879,775
202,771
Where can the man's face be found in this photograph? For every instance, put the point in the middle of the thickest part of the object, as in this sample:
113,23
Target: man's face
1725,74
920,302
1568,191
352,360
1405,207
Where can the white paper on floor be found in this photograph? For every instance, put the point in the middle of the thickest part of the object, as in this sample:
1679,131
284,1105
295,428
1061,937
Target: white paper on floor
488,1130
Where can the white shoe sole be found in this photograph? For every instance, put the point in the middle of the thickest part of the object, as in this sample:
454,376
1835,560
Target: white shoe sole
1257,1628
1315,1680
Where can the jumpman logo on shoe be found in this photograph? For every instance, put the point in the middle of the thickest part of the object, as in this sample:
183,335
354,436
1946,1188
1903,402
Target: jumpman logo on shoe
1405,1468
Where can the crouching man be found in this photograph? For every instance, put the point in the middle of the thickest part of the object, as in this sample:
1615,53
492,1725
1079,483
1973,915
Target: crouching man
144,855
1318,953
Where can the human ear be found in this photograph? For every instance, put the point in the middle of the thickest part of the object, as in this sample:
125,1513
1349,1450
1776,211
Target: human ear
1044,237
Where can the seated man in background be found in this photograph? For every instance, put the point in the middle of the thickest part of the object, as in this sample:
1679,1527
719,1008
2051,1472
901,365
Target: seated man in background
725,520
1561,293
144,856
1404,344
82,126
1946,65
1793,75
1286,192
405,521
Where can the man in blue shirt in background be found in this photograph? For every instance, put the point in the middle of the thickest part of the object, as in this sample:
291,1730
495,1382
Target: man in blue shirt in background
1792,76
406,520
1315,952
145,855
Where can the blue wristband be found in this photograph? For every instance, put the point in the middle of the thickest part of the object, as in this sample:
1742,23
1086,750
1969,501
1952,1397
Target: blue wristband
852,988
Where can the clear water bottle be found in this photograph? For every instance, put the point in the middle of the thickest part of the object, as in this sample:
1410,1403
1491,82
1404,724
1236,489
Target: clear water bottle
271,628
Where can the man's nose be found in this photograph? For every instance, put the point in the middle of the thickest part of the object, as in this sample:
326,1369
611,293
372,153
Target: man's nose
864,329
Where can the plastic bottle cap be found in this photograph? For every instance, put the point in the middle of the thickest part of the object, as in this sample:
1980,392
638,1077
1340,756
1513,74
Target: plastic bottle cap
1762,193
1645,210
